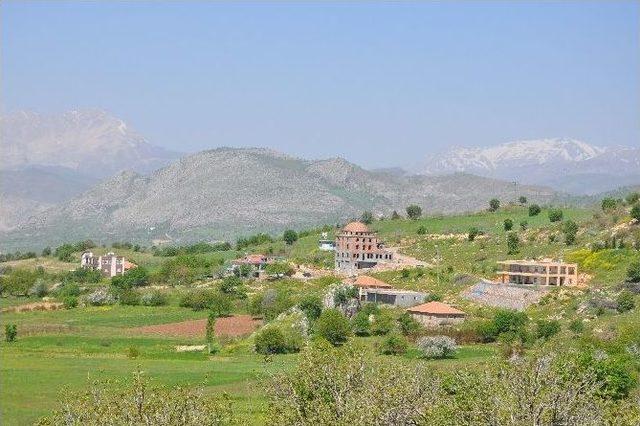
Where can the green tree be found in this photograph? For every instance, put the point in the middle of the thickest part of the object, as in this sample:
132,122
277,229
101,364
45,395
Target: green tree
393,344
608,203
555,215
625,301
333,326
414,211
19,281
360,324
407,324
635,212
367,217
547,329
508,224
279,269
46,252
473,233
135,277
522,199
290,236
270,340
494,204
382,323
523,225
534,210
513,243
570,230
311,305
233,286
210,333
633,198
10,332
421,230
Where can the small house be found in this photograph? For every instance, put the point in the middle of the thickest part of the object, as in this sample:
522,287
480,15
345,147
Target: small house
434,314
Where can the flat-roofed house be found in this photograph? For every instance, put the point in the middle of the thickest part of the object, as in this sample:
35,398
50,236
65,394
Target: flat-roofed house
435,314
358,248
538,272
392,296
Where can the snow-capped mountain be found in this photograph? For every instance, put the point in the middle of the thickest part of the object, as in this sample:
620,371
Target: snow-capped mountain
88,141
565,164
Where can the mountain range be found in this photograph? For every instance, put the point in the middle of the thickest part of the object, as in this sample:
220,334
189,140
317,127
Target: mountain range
566,165
87,174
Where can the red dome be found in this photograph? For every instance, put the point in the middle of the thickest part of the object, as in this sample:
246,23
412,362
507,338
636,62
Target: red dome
355,227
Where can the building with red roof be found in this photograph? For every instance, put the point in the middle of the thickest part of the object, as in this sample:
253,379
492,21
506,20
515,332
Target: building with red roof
433,314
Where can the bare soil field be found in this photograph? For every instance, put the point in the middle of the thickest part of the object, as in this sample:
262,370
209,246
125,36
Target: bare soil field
37,306
238,325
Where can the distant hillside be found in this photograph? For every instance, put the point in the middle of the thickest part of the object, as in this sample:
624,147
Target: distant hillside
91,142
228,192
566,165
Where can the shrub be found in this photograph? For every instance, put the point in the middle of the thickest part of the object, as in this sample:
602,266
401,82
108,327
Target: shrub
405,273
436,346
366,218
523,225
10,332
608,203
635,212
220,305
133,352
569,229
393,344
333,326
577,326
70,302
508,224
136,277
534,210
494,204
633,198
272,303
233,286
129,297
311,305
100,297
414,211
360,324
633,272
270,340
153,298
547,329
421,230
473,233
39,289
68,289
512,243
279,269
522,199
290,236
407,324
625,301
555,215
433,297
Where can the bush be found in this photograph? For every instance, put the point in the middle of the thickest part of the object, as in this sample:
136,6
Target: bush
39,289
233,286
547,329
129,297
555,215
436,346
100,297
635,212
512,243
270,340
366,218
153,298
633,272
523,225
279,269
473,233
393,344
522,199
136,277
220,305
569,229
70,302
290,236
421,230
10,332
534,210
407,324
494,204
608,203
311,305
198,299
508,224
433,297
405,273
133,352
577,326
333,326
625,301
414,211
360,324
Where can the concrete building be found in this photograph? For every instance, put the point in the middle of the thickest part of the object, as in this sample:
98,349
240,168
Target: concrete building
358,248
109,265
326,244
391,296
436,314
538,272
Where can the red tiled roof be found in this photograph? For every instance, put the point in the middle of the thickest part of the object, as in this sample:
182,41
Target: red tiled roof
355,227
252,259
129,265
435,308
370,282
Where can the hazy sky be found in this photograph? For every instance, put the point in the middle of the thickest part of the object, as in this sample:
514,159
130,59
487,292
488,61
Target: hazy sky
379,83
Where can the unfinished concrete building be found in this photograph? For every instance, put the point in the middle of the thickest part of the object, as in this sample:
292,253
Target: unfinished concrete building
359,248
538,272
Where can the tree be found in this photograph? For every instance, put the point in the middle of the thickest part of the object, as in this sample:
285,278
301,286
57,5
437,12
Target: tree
210,333
633,272
46,252
608,203
569,229
10,332
534,210
512,243
393,344
625,301
395,215
407,324
311,305
421,230
360,324
19,281
414,211
523,225
473,233
290,236
333,326
633,198
436,346
522,199
233,286
494,204
135,277
547,329
382,323
279,269
270,340
555,215
367,217
635,212
508,224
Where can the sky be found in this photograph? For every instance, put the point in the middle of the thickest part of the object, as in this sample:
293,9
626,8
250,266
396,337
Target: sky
378,83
